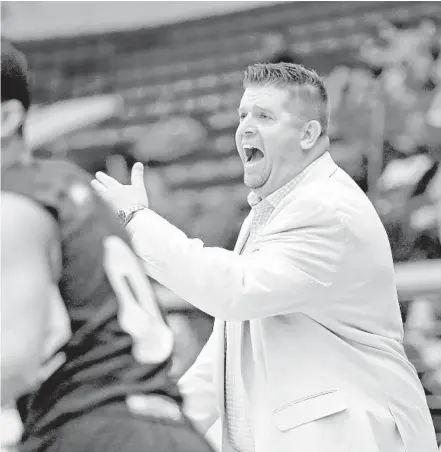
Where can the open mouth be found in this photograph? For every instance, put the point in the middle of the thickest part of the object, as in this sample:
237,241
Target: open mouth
252,154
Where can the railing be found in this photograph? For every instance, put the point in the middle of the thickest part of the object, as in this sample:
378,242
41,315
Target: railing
418,278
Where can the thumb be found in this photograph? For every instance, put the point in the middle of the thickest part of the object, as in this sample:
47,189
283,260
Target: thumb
138,176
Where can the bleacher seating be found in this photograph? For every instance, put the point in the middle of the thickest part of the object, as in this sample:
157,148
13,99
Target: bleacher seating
194,69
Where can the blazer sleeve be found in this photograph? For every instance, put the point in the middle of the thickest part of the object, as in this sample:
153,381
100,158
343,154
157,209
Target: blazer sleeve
288,269
197,388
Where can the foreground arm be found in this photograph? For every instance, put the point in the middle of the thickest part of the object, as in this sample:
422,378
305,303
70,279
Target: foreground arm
289,271
29,267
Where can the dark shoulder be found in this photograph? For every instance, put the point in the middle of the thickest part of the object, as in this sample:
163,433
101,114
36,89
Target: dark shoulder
67,187
48,182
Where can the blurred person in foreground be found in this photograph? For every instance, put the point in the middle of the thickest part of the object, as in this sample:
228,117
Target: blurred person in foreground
306,351
85,349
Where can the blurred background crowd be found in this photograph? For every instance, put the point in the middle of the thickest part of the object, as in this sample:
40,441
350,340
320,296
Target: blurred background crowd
160,82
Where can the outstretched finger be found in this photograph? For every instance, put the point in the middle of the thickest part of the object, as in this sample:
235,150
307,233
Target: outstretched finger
98,187
106,180
138,175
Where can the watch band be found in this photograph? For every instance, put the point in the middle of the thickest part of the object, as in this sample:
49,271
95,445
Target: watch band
126,214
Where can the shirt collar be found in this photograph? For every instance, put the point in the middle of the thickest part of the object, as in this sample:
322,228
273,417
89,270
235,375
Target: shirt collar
276,196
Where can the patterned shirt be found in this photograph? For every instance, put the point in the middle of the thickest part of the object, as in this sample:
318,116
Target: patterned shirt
238,422
272,200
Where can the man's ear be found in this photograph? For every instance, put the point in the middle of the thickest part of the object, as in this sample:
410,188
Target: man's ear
13,116
310,134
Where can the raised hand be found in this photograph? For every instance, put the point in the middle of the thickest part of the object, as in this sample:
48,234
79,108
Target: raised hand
121,196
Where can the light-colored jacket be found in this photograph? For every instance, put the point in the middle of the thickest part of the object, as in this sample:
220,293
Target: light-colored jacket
322,357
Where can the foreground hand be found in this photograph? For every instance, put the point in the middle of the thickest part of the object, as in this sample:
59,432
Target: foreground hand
122,196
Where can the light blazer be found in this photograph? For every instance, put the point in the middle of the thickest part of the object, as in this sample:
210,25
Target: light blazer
322,358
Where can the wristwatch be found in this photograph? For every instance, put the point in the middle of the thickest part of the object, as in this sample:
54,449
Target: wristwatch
125,215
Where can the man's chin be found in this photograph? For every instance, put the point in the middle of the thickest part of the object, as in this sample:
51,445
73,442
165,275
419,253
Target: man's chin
256,184
252,182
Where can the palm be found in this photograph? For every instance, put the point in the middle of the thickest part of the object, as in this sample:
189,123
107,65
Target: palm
121,196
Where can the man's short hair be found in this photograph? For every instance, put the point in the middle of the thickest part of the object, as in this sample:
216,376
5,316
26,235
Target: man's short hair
309,87
15,75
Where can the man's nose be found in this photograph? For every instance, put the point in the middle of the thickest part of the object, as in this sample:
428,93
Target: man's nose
248,126
250,130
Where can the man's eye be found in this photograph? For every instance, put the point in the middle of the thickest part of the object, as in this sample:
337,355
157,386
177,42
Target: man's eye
264,116
242,116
